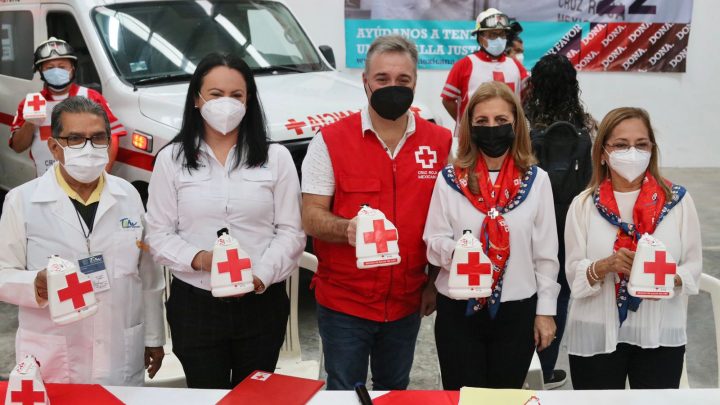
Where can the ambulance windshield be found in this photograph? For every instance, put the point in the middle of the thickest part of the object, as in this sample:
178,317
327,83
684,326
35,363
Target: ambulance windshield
154,42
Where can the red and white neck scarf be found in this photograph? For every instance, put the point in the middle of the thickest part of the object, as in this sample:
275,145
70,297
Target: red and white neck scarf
649,209
494,200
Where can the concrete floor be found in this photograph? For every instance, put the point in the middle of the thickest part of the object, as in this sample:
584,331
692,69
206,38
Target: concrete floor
701,349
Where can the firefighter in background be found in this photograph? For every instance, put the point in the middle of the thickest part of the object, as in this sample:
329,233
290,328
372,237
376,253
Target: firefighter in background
56,61
490,63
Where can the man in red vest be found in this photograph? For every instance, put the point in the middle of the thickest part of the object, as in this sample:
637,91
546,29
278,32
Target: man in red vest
389,158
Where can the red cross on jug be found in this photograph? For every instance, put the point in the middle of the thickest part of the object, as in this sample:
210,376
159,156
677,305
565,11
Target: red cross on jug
231,272
35,107
470,271
376,240
70,292
25,386
653,270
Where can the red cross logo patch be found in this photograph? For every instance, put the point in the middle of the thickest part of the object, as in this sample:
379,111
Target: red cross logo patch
426,157
500,77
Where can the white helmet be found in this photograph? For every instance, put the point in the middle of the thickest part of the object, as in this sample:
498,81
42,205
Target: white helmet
491,19
51,49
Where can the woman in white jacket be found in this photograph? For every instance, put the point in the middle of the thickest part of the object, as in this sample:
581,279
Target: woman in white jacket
494,189
611,335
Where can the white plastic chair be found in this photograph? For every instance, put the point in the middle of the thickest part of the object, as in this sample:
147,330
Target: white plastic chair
290,361
710,285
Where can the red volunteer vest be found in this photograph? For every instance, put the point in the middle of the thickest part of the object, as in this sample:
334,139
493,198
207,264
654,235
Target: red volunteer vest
401,189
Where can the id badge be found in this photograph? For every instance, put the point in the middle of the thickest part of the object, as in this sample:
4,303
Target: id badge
93,266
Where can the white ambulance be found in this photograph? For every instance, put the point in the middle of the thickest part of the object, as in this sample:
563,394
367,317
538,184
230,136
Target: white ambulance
140,56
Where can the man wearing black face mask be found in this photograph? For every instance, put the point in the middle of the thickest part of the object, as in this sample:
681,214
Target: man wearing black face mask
389,158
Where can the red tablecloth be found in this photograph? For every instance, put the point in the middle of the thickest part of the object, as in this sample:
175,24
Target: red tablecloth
73,394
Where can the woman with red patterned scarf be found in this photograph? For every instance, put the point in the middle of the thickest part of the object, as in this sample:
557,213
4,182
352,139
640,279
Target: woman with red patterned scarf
612,336
494,189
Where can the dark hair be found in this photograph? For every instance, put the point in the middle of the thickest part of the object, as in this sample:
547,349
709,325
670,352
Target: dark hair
553,95
252,141
613,118
76,105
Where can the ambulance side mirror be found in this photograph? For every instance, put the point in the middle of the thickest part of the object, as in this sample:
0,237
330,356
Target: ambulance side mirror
328,54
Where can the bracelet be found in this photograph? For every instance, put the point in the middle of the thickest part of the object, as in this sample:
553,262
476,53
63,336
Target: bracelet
594,273
591,273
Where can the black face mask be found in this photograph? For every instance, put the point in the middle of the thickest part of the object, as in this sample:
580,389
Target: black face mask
493,141
391,102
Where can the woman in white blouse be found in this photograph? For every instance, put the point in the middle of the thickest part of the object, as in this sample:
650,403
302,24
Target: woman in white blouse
612,336
494,189
221,172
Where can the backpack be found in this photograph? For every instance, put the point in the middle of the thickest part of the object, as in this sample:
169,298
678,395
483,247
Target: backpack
563,151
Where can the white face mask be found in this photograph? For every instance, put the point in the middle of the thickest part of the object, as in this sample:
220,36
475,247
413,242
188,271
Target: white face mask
223,114
496,47
520,57
85,165
630,164
57,78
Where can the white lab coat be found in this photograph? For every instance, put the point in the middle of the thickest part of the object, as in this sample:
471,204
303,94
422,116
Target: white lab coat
39,220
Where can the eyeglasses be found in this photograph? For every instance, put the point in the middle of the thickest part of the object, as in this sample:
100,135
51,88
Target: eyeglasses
624,146
500,21
56,47
99,141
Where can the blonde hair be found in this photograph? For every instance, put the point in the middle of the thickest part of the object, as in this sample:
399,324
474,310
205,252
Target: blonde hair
607,126
521,149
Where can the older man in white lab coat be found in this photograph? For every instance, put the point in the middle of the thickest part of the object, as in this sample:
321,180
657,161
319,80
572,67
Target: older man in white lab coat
76,211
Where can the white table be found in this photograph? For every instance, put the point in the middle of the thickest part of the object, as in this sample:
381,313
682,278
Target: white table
182,396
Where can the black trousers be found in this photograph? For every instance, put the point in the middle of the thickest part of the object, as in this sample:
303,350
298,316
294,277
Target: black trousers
644,368
476,351
221,341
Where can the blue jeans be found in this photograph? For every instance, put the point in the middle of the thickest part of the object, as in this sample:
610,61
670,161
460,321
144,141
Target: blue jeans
349,342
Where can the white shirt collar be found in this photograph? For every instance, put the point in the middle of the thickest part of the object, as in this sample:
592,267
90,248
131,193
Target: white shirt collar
367,122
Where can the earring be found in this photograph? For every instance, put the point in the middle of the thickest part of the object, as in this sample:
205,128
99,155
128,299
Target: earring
602,162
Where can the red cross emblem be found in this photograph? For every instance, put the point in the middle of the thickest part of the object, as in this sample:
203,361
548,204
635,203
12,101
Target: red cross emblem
297,126
473,268
660,267
234,265
500,77
426,157
380,236
75,290
36,103
27,394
